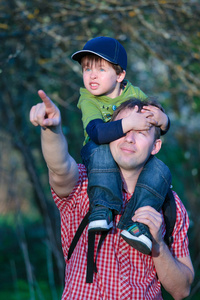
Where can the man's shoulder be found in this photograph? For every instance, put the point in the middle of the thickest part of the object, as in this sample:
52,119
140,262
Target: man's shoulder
83,179
80,185
179,204
82,170
182,216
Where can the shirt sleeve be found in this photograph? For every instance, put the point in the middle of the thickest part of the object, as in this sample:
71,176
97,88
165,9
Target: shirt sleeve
179,247
104,133
162,132
67,204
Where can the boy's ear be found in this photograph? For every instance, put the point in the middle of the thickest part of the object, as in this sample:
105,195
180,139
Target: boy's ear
156,147
121,76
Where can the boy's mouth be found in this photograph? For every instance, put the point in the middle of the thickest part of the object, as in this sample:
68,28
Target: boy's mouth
94,85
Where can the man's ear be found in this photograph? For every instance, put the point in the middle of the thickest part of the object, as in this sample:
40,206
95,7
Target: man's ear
156,147
121,76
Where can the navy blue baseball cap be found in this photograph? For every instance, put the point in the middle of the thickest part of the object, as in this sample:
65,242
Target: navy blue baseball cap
107,48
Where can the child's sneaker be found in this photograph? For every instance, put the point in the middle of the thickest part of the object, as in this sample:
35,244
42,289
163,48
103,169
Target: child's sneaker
138,237
101,219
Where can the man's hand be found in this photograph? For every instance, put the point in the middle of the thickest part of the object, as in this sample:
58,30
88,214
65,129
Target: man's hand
63,170
45,114
153,219
175,274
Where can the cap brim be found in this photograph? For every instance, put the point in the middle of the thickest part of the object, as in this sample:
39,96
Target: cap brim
77,56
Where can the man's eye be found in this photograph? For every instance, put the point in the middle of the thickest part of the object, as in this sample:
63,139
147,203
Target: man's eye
141,132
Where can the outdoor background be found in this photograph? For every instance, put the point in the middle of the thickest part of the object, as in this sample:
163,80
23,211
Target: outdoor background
37,38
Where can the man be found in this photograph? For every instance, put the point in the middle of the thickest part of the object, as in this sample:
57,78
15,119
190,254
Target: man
122,271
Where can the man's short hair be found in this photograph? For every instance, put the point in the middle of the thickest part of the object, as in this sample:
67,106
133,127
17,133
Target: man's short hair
131,103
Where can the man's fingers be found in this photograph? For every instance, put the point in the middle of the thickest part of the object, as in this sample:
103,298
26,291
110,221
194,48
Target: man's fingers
147,212
50,122
31,116
45,114
147,208
46,100
37,114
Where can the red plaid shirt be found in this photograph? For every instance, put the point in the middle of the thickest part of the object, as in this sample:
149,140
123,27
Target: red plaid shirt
123,272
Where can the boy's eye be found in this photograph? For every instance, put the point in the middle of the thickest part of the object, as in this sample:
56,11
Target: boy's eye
87,69
101,69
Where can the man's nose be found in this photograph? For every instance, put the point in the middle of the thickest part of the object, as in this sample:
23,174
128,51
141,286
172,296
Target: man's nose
130,136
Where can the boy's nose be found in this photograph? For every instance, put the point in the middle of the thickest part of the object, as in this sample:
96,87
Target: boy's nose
93,74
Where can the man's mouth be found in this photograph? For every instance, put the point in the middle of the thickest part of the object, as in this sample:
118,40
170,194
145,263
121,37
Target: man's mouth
127,150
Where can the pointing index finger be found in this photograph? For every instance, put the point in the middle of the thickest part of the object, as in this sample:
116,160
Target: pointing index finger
46,100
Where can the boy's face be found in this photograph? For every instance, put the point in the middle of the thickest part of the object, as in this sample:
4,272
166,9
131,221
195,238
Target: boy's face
100,78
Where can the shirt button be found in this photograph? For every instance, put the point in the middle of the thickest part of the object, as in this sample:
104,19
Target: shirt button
114,107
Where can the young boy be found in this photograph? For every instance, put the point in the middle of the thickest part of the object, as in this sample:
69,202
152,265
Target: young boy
104,62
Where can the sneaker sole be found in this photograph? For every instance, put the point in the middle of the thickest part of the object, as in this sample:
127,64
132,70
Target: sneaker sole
142,244
100,225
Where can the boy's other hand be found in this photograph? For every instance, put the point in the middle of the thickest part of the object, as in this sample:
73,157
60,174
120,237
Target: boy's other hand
160,117
138,120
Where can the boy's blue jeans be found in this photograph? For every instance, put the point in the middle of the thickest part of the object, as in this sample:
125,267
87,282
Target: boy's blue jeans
105,184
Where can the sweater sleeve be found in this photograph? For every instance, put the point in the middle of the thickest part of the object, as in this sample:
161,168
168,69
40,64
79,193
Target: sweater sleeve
104,133
162,132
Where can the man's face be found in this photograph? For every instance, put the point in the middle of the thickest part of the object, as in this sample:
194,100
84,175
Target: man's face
133,150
